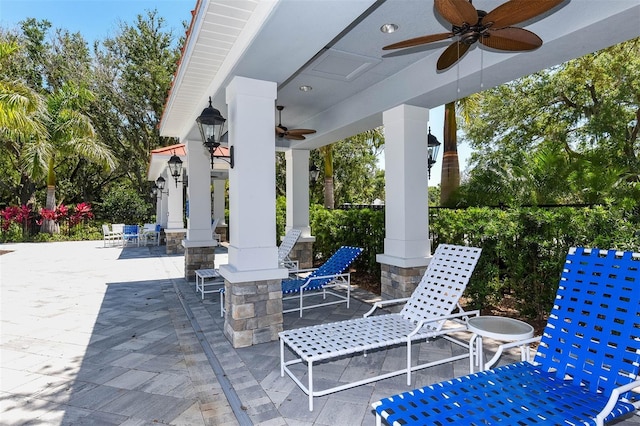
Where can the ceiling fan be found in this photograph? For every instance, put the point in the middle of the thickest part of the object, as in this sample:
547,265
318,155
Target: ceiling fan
292,134
493,29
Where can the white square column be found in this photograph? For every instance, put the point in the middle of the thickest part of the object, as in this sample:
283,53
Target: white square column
253,253
406,242
158,209
219,201
199,245
175,205
297,165
174,231
199,191
164,209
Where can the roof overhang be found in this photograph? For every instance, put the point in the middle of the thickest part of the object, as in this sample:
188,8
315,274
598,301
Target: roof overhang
336,47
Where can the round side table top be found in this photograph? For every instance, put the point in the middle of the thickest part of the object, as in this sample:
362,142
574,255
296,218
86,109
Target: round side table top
500,328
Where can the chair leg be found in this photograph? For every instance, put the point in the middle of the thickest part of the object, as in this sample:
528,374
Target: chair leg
281,357
300,302
409,362
310,385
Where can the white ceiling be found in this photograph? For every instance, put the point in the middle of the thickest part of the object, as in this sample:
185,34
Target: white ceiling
335,46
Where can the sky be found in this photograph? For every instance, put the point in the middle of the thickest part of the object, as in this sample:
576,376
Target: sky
99,19
94,19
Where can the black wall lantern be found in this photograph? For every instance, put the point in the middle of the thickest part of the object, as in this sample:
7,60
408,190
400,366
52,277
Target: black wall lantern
433,146
314,173
211,126
158,187
175,167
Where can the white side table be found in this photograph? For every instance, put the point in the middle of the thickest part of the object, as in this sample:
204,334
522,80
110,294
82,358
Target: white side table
213,275
498,328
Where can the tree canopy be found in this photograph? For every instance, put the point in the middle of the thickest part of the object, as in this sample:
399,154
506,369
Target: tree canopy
68,112
568,134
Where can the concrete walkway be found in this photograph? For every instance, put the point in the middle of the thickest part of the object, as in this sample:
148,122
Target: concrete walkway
93,335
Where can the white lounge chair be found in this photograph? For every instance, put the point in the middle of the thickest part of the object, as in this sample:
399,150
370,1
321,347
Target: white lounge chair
285,247
217,237
424,314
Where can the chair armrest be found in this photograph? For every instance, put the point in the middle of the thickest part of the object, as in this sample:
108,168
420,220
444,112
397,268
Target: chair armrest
454,317
613,399
322,277
301,273
383,303
291,265
510,345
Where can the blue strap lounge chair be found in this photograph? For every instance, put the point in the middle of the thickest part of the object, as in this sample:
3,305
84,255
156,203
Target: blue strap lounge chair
584,370
309,283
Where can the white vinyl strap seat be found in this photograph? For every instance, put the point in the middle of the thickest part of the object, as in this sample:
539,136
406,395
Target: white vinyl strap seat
424,316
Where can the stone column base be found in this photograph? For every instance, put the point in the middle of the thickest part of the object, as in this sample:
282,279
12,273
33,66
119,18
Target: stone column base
253,312
398,282
303,253
198,258
174,241
223,231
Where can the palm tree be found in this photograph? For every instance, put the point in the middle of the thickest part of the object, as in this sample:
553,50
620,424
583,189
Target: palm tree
450,179
327,155
374,137
71,133
22,111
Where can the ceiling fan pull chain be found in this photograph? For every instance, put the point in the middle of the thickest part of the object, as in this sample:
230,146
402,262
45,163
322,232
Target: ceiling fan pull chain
481,69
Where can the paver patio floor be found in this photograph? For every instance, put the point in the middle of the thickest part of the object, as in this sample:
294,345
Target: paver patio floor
112,336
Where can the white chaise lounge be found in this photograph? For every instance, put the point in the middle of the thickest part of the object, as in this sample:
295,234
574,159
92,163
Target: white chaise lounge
424,314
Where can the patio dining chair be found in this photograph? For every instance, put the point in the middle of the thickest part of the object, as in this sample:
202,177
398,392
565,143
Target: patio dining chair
150,233
109,236
313,283
427,314
584,370
131,235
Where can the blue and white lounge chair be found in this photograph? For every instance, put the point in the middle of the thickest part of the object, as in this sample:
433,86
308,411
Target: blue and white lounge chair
308,283
585,367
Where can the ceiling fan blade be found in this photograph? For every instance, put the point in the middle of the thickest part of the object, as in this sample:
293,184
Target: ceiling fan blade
516,11
294,137
418,41
280,130
458,12
298,132
451,55
511,39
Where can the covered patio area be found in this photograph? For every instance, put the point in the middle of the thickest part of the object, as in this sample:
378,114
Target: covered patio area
324,61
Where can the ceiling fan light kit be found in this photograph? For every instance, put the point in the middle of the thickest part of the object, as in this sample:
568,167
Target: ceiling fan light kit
493,29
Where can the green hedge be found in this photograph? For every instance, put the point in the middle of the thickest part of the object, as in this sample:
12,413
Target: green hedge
360,228
523,248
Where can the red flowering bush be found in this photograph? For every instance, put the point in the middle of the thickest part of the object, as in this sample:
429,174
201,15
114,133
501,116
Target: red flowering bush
15,214
81,212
